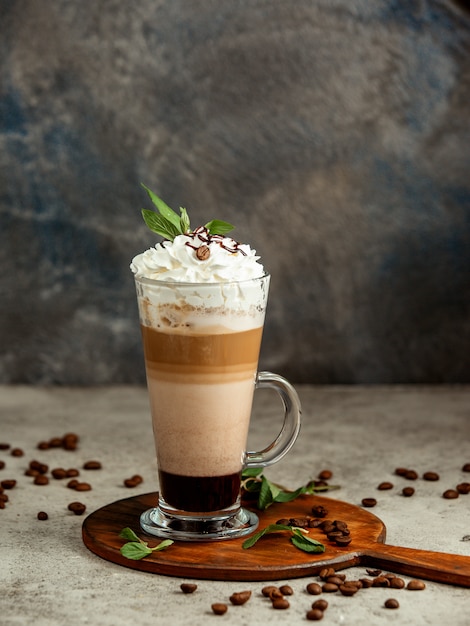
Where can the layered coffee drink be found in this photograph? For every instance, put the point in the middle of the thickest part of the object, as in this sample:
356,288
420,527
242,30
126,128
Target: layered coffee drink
202,299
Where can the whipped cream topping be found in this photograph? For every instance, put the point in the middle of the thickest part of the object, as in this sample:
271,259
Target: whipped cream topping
198,257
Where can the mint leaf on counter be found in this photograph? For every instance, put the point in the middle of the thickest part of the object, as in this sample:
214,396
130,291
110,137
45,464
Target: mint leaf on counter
136,548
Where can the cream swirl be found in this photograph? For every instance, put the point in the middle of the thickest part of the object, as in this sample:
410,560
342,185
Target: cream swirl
198,257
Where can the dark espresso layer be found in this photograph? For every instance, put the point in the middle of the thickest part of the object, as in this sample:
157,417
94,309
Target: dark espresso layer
165,350
199,494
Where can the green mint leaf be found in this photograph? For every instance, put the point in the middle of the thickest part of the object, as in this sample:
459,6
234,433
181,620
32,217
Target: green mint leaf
128,533
268,494
219,227
162,545
306,544
184,224
135,550
272,528
160,225
288,496
164,210
250,472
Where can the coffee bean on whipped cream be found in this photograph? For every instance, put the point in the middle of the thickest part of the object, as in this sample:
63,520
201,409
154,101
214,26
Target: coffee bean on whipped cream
203,253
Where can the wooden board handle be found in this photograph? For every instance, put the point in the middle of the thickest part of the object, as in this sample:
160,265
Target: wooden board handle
439,567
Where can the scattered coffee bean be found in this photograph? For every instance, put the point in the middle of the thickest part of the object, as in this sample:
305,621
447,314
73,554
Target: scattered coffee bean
92,465
314,589
385,486
2,465
408,491
72,484
8,484
431,476
83,487
348,590
366,583
188,587
463,488
2,504
319,511
17,452
280,603
391,603
325,474
401,471
396,582
70,441
267,590
286,590
416,585
133,482
219,608
240,597
326,572
275,593
314,615
43,445
450,494
72,472
4,446
3,497
466,467
320,604
381,581
329,588
374,572
31,472
411,475
335,580
42,515
41,480
77,507
58,473
369,502
55,442
343,541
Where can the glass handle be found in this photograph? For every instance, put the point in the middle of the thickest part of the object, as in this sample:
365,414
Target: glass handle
290,428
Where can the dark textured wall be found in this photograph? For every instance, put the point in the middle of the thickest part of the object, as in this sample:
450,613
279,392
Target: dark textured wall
333,133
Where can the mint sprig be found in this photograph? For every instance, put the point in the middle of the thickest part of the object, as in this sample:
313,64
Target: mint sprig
254,482
168,224
136,548
298,539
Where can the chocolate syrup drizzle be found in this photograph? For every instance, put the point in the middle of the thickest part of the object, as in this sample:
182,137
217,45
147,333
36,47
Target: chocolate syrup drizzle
202,234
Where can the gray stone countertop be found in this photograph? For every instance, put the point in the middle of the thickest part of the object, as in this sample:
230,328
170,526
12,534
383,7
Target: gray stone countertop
48,577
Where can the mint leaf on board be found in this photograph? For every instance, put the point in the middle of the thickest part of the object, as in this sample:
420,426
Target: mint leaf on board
298,539
136,548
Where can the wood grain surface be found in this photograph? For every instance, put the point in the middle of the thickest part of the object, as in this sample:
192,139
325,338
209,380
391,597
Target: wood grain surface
273,557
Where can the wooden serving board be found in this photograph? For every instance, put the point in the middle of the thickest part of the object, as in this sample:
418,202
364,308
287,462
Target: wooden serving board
273,557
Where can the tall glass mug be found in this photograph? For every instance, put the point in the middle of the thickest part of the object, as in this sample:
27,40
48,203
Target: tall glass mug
201,345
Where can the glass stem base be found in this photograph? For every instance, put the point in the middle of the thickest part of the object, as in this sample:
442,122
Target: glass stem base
179,527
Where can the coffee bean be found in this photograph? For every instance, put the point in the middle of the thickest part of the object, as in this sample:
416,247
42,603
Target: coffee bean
411,475
72,473
319,511
329,588
466,467
450,494
369,502
335,580
130,483
321,604
2,465
42,515
2,504
463,488
219,608
334,535
188,587
240,597
286,590
41,480
408,491
267,590
17,452
58,473
83,487
4,446
374,572
401,471
276,593
92,465
55,442
343,541
313,589
326,572
366,583
70,441
325,474
397,583
416,585
384,486
203,253
314,615
72,484
77,507
8,484
280,603
381,581
348,590
3,497
43,445
432,476
391,603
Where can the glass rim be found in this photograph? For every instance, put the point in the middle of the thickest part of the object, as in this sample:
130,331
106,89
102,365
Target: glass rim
176,283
